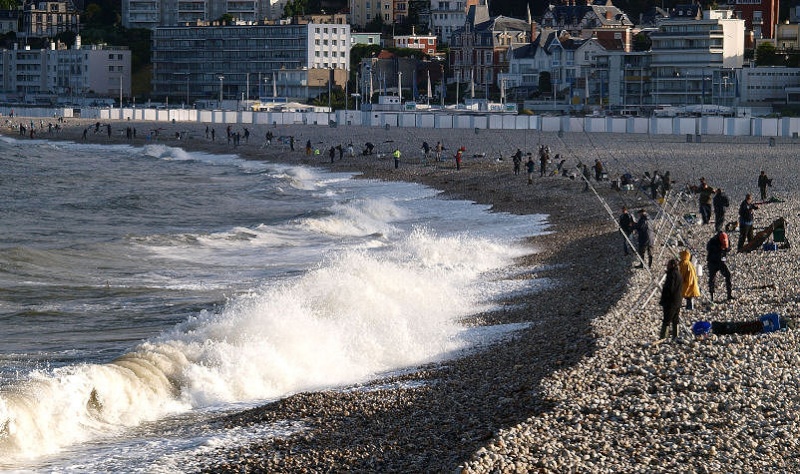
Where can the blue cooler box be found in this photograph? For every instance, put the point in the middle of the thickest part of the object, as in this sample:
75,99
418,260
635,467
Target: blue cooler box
771,322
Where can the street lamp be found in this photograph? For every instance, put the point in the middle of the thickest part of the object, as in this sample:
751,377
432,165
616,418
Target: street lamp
220,77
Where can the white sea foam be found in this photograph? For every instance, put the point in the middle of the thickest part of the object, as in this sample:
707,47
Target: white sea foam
358,313
373,277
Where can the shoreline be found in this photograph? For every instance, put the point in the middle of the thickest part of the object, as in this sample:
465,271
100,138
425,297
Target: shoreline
577,385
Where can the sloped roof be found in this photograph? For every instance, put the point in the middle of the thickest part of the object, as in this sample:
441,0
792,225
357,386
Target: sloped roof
525,51
503,23
611,44
686,11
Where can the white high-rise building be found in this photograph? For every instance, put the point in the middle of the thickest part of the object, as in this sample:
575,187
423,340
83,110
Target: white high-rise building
692,57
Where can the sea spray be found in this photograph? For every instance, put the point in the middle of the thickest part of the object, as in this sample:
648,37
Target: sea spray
360,312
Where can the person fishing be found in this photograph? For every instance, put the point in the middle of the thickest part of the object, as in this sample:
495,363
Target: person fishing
671,298
717,250
645,238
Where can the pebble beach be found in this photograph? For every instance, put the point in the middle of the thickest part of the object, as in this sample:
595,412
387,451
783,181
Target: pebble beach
586,386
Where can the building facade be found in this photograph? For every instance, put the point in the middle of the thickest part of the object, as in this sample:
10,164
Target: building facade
48,19
760,16
424,43
479,51
154,13
83,71
239,62
9,21
691,58
767,85
447,16
584,19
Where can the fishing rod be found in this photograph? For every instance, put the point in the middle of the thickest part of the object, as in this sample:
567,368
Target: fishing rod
644,298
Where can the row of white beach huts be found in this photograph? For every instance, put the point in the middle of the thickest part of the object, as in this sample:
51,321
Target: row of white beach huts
703,125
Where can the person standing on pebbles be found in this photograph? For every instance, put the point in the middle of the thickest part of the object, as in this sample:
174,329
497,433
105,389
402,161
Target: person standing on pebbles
396,155
690,288
645,238
746,217
530,166
717,253
671,298
517,159
706,198
763,182
721,202
626,224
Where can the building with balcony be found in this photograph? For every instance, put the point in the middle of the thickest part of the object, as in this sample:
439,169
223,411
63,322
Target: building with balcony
691,58
446,16
39,75
365,11
154,13
48,19
9,21
424,43
240,62
787,36
480,50
760,16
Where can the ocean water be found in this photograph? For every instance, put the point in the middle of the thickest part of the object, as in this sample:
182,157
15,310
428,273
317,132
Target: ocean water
143,290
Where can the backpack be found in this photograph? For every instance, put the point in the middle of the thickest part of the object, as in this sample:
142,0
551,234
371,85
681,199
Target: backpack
723,241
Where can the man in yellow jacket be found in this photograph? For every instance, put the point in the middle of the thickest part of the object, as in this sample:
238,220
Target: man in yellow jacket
690,288
396,155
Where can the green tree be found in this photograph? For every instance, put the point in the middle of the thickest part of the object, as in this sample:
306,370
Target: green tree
101,13
767,55
295,8
375,25
642,42
361,51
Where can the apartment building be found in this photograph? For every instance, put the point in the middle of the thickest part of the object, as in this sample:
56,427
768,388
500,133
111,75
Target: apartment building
241,61
691,58
48,19
154,13
80,71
